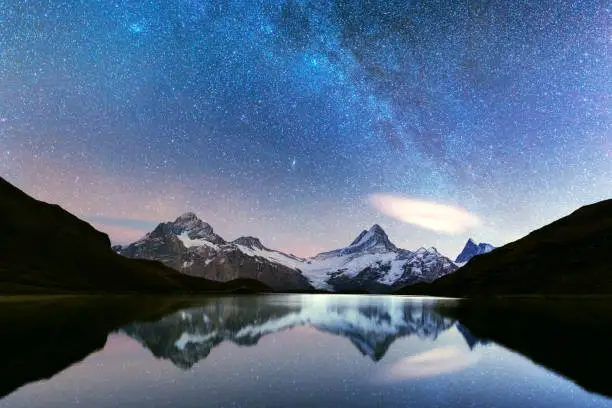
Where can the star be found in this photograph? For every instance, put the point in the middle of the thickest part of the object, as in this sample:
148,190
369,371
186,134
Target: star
136,28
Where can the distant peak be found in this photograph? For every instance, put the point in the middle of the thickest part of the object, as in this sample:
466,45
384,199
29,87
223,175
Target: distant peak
471,249
250,242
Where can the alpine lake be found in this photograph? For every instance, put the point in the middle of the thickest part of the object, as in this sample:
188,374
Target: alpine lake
304,351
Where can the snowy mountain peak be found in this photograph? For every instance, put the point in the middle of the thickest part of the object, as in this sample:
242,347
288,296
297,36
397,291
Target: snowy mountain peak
189,229
359,237
374,237
472,249
249,242
377,230
190,221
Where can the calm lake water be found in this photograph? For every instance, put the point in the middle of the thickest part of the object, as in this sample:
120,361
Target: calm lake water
301,351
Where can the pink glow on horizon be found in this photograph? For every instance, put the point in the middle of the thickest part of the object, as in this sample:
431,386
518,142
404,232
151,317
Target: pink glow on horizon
120,235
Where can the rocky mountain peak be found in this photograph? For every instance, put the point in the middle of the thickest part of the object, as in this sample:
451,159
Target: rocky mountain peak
188,228
377,230
189,222
373,237
249,242
374,240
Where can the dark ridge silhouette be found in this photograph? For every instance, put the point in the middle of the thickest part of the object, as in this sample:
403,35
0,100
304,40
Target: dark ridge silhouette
569,337
572,255
45,249
45,335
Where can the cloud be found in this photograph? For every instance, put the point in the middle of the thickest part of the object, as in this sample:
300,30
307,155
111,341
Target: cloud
441,360
437,217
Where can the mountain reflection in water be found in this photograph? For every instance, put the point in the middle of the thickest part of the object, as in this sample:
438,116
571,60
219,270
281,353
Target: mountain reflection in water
319,340
371,324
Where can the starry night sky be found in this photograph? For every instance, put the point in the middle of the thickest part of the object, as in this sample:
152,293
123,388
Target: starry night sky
284,118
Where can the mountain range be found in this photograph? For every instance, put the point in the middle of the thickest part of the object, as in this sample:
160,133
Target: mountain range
371,262
45,249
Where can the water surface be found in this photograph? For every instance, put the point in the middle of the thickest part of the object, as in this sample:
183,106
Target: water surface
301,350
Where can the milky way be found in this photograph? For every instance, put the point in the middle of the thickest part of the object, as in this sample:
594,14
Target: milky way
281,119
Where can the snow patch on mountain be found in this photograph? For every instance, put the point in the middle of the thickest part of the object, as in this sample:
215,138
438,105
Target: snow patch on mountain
187,338
396,271
272,256
190,243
